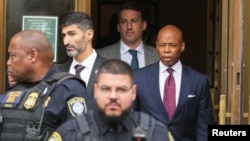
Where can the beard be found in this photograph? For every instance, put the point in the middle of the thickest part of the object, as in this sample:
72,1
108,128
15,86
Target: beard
75,52
112,120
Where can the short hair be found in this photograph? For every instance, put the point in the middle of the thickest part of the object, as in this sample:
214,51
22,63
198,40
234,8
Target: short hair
37,39
132,6
83,20
115,66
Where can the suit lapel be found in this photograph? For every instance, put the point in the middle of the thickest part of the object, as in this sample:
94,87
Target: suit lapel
185,87
98,61
153,78
115,50
150,55
65,66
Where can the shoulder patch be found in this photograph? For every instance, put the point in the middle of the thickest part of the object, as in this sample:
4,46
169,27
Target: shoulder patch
77,106
55,137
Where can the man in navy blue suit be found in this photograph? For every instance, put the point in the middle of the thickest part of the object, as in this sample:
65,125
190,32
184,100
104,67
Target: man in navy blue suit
193,105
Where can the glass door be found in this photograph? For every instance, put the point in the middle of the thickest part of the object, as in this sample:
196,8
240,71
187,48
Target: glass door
11,18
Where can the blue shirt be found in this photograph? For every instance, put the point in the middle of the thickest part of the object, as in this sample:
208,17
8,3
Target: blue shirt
2,96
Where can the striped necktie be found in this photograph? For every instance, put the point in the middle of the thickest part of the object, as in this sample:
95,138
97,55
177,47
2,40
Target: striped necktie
79,68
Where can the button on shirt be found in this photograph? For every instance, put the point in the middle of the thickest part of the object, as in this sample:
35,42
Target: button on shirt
127,57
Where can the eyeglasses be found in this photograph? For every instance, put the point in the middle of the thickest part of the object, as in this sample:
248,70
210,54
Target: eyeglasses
118,90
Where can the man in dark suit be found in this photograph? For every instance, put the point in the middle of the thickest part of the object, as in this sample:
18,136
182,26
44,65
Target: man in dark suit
192,110
131,24
77,30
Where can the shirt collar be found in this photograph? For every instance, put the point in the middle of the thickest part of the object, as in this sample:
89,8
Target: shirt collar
88,62
124,48
177,67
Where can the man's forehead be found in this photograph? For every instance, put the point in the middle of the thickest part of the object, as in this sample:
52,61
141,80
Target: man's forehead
105,78
70,28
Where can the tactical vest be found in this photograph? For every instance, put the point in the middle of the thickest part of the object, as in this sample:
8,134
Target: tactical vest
22,111
87,129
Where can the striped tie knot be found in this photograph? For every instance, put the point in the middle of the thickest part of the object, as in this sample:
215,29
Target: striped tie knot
79,68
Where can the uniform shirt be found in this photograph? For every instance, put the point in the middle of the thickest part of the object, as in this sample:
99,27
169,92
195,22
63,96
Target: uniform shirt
63,102
120,132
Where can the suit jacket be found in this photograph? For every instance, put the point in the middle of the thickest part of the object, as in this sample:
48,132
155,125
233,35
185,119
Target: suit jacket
113,51
98,61
194,110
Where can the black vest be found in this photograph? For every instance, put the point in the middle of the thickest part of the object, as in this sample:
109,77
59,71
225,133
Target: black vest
88,130
22,110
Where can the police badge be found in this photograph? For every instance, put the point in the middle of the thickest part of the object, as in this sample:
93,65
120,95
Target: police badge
31,100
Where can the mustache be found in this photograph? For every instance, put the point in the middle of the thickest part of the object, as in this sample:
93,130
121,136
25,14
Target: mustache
113,101
80,49
70,46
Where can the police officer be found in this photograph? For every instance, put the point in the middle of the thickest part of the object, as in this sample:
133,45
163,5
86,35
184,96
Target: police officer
31,109
113,119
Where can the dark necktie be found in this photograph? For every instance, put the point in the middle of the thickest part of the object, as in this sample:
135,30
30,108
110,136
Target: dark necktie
134,62
79,68
169,94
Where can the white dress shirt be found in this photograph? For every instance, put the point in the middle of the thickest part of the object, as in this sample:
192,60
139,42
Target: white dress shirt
177,77
87,63
127,57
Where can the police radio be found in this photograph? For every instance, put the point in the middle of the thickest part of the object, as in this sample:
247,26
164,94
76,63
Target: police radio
139,134
34,131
